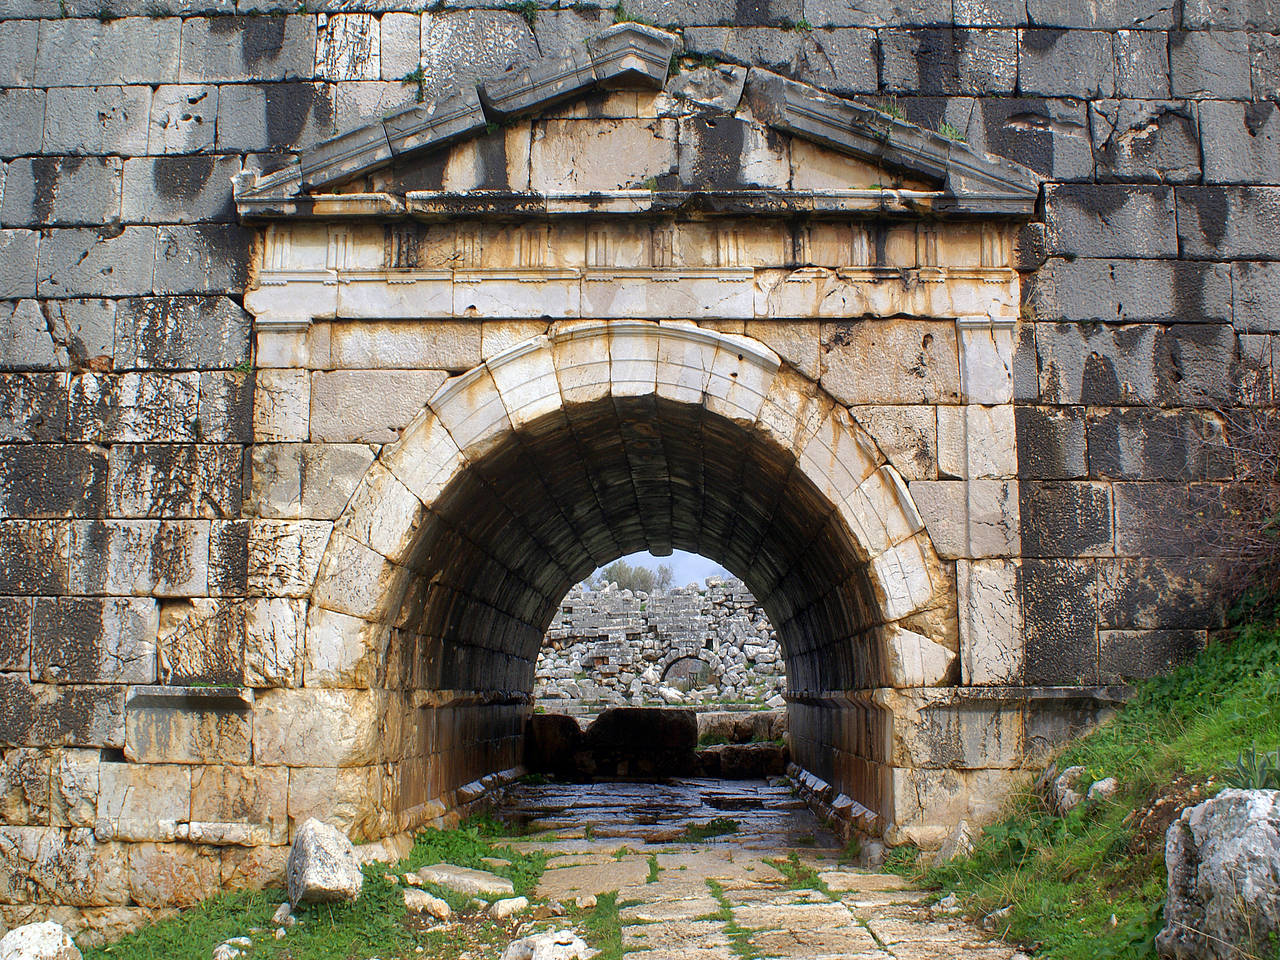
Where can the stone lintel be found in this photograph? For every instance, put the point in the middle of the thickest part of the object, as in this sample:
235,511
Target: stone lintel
221,699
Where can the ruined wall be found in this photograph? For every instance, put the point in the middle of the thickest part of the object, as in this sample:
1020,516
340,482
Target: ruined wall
701,647
127,397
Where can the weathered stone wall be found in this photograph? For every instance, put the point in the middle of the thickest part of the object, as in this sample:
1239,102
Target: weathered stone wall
701,647
128,397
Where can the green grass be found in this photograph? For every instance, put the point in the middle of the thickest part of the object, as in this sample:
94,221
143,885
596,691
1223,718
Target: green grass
654,869
372,926
801,876
715,827
739,937
602,925
1066,878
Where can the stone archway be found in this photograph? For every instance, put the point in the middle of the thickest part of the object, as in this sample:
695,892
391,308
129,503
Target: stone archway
561,454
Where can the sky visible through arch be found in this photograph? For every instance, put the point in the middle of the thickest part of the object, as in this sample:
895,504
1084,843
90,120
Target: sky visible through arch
686,568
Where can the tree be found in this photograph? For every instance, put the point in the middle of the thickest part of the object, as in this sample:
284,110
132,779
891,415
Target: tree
633,577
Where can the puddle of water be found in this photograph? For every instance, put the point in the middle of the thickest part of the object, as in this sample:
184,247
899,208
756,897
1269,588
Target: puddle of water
767,816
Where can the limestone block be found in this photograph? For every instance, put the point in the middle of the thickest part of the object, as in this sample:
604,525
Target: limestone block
342,651
226,406
1063,519
796,343
347,797
403,345
202,258
84,640
61,190
247,48
179,189
74,793
134,407
498,336
891,361
459,46
1210,64
83,52
273,642
248,115
372,406
172,874
25,342
284,556
153,480
943,729
399,37
239,805
466,880
384,515
281,405
839,456
615,293
320,727
322,866
229,558
1060,613
96,121
905,577
949,62
1146,140
1124,13
15,634
357,580
39,941
18,275
187,724
944,506
426,458
138,802
311,480
52,865
183,119
348,47
1075,63
51,481
25,786
916,661
471,409
168,558
35,556
18,41
253,868
201,641
612,154
1234,222
742,371
33,406
1111,221
1142,64
1099,365
991,645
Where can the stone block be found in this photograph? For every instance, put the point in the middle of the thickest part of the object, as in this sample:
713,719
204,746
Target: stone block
281,405
1097,364
229,558
179,189
271,115
321,727
400,43
1051,136
180,333
1064,519
906,435
53,865
21,121
1101,220
1230,15
239,805
83,331
346,797
66,191
1142,64
1256,287
15,634
202,258
976,442
51,715
1127,655
201,641
25,344
91,640
1196,365
1135,443
18,52
1145,140
239,49
1132,291
1235,223
25,791
183,119
940,60
134,407
1109,15
891,361
174,480
273,642
1210,64
284,556
615,154
452,345
348,47
79,262
1050,442
97,120
1241,141
253,868
142,802
167,725
1264,62
226,406
341,650
74,790
1066,63
52,480
165,558
371,406
172,874
462,46
1155,520
1157,593
34,556
879,13
313,480
1059,599
839,59
18,263
991,623
90,53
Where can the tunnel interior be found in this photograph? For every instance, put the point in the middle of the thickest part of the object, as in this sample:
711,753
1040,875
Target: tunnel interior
545,504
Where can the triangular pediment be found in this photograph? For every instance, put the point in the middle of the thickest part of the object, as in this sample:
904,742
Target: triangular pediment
613,128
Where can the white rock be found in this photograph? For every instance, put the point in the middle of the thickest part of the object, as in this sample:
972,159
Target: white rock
281,916
1063,797
585,903
466,880
501,909
553,945
322,866
38,941
958,844
1103,789
419,901
1223,858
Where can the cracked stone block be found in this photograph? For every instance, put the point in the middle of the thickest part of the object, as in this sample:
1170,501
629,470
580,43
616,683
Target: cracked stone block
34,556
229,558
226,406
1157,592
181,333
1142,64
142,802
45,480
183,119
97,120
273,645
240,49
1210,65
25,793
173,480
172,874
83,332
1145,140
201,641
348,47
54,865
284,556
75,787
239,804
90,640
25,342
15,634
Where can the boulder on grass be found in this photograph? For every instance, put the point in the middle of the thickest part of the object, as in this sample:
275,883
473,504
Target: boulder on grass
38,941
322,866
553,945
1223,858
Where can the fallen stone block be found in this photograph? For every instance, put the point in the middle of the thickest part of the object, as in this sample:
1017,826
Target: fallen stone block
322,866
466,880
38,941
553,945
419,901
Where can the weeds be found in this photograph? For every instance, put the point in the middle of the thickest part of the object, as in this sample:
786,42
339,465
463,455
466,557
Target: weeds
739,937
951,132
715,827
801,876
654,869
1254,771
